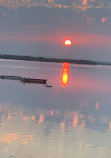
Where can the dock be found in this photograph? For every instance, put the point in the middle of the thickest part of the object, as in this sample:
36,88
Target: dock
24,80
35,81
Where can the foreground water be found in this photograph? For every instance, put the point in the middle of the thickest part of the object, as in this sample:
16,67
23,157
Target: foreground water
59,122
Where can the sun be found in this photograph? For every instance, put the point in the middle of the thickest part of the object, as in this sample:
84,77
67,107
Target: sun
67,42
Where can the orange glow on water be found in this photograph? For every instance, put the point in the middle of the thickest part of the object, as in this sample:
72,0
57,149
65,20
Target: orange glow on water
75,119
84,2
65,74
67,42
41,118
103,19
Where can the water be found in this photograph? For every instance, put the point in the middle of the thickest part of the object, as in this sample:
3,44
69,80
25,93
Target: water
62,121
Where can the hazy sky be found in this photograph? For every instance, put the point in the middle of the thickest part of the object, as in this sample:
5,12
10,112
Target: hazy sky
39,28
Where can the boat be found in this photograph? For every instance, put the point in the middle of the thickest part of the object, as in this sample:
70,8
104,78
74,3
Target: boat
49,86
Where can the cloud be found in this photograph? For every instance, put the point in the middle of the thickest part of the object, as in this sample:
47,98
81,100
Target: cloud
64,2
43,19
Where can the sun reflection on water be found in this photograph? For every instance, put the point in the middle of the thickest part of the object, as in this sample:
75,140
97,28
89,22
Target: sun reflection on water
65,74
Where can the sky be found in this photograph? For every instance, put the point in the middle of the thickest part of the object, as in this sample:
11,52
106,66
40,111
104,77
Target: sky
39,28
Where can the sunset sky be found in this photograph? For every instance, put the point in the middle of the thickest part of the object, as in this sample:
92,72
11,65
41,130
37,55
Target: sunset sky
39,28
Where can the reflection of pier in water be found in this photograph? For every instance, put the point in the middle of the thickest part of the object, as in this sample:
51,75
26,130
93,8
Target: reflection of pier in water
24,80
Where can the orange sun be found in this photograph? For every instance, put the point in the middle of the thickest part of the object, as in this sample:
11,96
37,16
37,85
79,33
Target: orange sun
67,42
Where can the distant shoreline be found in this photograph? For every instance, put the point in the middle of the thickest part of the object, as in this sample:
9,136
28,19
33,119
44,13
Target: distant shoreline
43,59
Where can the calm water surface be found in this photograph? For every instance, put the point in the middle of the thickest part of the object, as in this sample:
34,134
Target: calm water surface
59,122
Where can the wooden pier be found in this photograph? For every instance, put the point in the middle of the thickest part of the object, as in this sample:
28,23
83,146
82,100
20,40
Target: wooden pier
35,81
24,80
